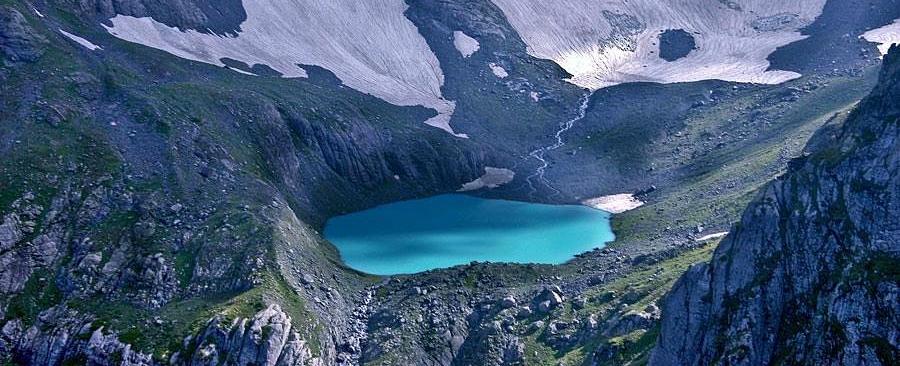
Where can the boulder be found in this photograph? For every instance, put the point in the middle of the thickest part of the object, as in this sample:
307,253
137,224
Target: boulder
508,302
549,298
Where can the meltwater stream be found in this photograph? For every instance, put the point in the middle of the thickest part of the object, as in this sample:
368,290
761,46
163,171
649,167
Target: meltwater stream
448,230
539,154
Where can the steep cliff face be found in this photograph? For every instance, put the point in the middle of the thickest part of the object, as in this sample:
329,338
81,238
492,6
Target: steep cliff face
810,275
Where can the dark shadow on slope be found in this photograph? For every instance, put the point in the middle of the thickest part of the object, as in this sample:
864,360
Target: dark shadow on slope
833,39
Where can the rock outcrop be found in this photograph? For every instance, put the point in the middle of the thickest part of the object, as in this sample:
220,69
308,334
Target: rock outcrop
549,298
18,41
810,275
267,339
64,336
220,17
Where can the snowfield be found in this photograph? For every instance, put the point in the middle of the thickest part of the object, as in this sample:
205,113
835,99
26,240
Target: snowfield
464,44
609,42
492,178
885,36
712,236
372,47
498,70
616,204
369,45
83,42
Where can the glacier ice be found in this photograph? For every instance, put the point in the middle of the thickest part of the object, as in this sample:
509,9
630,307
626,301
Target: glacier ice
608,42
372,47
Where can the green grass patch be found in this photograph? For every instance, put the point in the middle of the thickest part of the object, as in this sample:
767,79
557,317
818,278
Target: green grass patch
633,292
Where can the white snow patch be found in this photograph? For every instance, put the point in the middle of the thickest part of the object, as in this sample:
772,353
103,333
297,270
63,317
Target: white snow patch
442,120
87,44
712,236
617,203
492,178
464,44
885,36
605,42
369,45
498,70
239,71
37,12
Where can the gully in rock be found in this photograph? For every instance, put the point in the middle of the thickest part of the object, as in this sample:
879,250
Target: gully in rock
539,154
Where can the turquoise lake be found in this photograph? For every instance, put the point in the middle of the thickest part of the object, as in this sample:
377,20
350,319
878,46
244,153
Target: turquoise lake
448,230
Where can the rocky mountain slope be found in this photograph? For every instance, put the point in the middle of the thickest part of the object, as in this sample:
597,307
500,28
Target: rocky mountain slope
810,275
156,210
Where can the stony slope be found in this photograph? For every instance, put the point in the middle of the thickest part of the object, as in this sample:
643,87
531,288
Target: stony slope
809,276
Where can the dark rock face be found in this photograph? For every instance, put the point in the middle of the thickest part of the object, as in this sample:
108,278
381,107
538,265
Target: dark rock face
675,44
810,277
210,16
18,41
826,44
18,261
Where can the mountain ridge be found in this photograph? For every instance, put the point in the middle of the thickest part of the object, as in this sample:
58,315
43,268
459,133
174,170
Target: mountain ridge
808,277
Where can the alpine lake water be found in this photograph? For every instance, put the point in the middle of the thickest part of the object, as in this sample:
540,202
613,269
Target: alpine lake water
447,230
